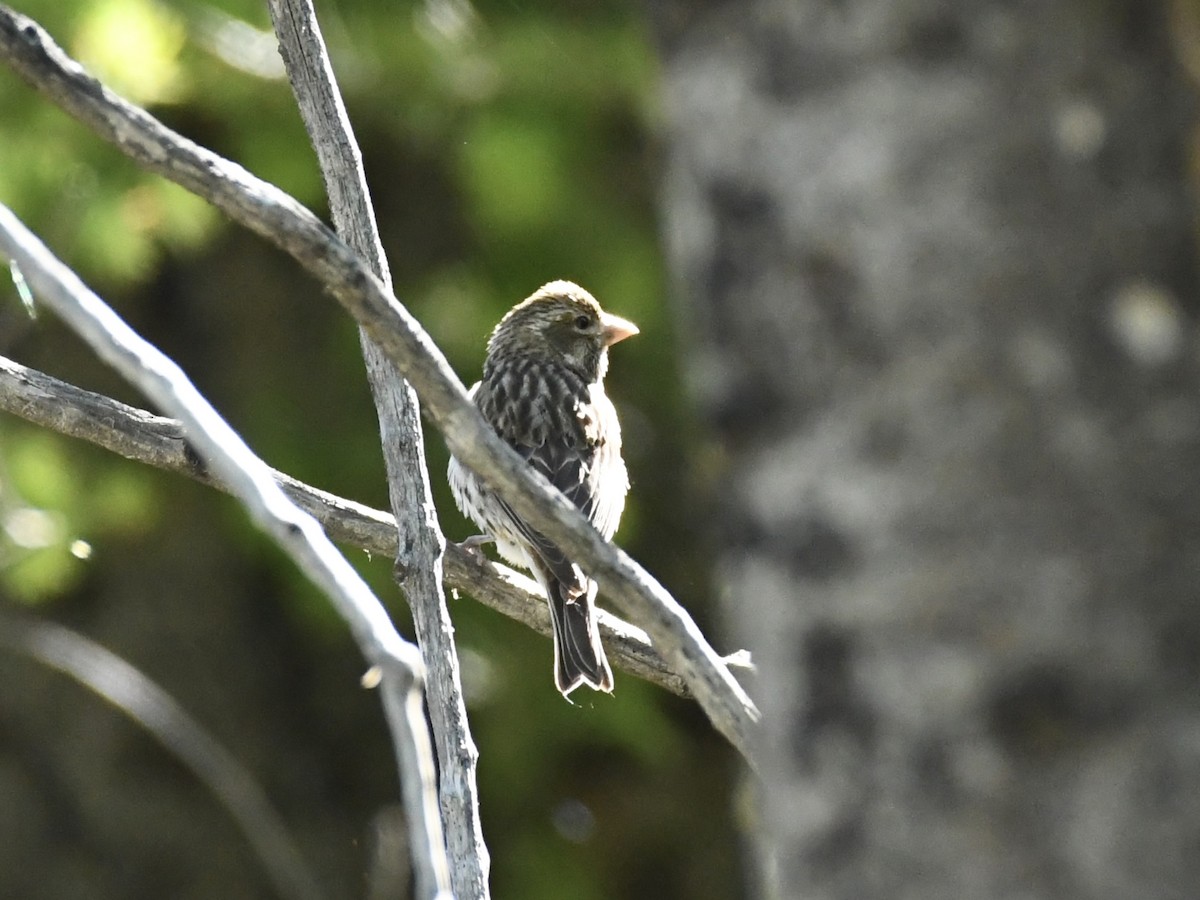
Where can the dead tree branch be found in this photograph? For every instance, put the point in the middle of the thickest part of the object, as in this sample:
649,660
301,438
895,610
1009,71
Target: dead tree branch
297,533
419,564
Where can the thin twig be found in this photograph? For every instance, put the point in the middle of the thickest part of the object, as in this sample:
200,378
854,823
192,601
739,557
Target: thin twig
143,437
280,219
129,690
249,479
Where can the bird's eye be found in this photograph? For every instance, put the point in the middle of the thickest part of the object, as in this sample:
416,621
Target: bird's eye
583,323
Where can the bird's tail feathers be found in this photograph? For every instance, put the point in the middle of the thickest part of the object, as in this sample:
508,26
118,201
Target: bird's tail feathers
578,655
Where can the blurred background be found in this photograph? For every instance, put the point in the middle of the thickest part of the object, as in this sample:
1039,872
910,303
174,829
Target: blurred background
928,271
505,145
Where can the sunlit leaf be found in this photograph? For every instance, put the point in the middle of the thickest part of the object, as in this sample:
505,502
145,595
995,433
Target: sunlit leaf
134,46
41,575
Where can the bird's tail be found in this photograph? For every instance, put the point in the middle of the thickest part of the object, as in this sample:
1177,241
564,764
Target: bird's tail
578,655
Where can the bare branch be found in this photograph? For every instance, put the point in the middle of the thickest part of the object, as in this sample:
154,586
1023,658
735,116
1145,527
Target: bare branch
272,214
143,437
250,481
419,564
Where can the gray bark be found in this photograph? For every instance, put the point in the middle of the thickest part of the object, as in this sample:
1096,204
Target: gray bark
421,545
937,263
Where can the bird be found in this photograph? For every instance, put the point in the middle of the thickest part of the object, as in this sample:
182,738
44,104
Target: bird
542,390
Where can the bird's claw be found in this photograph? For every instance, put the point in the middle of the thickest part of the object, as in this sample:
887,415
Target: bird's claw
474,544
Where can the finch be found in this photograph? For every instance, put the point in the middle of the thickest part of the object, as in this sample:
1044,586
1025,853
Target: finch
543,392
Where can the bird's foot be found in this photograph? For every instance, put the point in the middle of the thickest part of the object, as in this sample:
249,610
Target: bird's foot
475,543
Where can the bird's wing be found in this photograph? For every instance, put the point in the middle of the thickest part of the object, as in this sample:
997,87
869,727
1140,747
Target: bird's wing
567,469
566,430
553,439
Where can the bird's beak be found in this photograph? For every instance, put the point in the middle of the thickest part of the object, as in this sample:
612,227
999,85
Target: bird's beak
614,329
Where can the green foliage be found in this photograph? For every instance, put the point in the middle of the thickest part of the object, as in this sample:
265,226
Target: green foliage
47,503
133,46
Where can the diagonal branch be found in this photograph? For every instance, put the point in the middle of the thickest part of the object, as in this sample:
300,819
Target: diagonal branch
297,533
280,219
157,441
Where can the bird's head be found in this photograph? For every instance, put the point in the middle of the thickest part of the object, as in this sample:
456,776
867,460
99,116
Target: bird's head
563,323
